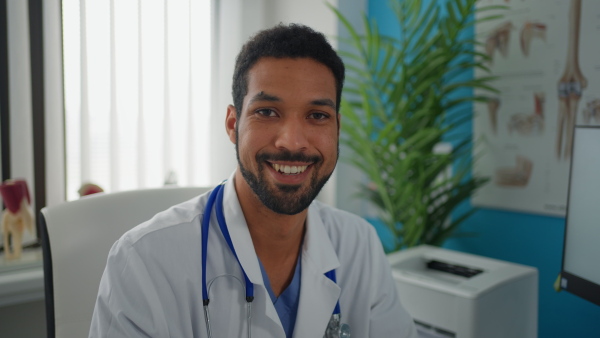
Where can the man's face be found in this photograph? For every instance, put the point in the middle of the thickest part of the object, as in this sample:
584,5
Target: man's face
287,132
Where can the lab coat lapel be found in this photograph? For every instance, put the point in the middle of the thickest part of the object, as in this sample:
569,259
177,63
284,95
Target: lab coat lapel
318,294
240,236
242,242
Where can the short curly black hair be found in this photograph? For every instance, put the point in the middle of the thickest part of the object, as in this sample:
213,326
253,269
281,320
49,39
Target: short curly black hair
285,41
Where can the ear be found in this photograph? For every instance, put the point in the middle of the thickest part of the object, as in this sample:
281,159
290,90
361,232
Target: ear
339,123
231,122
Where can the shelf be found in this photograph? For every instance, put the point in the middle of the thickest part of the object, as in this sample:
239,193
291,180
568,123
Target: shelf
22,280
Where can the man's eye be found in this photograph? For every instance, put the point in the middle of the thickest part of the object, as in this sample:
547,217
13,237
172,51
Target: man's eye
266,112
319,116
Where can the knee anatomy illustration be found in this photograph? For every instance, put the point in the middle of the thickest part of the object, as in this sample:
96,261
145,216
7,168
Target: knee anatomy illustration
17,216
592,110
499,39
570,86
492,105
530,31
517,176
527,124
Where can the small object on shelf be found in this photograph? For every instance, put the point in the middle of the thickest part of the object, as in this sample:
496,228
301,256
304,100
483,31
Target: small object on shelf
16,217
88,189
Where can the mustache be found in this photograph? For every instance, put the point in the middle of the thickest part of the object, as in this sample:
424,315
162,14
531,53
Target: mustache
288,156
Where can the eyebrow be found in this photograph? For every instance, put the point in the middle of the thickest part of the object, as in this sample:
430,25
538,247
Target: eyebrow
323,102
262,96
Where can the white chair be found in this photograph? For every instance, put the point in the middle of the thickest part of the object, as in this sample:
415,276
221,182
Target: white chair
76,239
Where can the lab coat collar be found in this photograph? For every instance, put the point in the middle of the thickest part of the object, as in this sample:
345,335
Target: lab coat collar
240,235
318,250
318,294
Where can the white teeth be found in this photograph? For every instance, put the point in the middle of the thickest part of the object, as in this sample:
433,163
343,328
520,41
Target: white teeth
287,169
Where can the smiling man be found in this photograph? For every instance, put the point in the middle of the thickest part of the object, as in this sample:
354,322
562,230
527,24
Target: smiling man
258,256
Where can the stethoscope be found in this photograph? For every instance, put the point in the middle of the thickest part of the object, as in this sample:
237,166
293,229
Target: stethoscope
335,328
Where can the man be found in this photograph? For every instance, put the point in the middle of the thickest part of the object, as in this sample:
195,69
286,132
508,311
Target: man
285,125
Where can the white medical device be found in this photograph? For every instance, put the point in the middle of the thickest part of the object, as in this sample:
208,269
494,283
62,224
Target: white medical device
453,294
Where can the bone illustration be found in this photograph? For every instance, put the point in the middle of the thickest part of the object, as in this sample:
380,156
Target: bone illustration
492,105
530,31
499,40
16,217
592,110
517,176
528,124
570,86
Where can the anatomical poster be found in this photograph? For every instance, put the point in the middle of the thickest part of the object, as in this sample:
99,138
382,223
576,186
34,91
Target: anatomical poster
545,54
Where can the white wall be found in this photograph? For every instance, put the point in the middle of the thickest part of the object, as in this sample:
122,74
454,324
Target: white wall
19,77
348,177
20,106
313,13
53,91
20,110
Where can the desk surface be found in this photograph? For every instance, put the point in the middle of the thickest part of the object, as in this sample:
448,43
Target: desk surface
21,280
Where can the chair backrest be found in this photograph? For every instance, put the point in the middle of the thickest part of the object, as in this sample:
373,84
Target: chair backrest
76,239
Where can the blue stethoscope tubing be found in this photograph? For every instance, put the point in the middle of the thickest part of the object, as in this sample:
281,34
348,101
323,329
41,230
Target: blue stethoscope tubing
216,196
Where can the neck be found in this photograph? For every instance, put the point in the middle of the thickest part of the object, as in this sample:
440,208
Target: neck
272,234
276,237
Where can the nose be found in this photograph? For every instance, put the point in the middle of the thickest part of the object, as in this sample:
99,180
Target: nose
292,136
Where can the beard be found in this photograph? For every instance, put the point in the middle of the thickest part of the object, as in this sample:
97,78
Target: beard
284,198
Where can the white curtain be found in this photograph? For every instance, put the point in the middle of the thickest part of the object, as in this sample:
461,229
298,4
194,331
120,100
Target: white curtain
137,92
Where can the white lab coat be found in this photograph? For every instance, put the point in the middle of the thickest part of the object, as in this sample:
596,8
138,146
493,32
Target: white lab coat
151,286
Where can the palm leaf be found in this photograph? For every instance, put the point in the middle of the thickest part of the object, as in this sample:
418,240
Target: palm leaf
402,103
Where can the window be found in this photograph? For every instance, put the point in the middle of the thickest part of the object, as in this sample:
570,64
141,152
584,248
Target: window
137,92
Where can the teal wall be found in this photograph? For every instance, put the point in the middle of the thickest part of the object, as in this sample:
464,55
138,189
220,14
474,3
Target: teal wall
521,238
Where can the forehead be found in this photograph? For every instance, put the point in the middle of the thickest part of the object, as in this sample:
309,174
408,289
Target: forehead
291,77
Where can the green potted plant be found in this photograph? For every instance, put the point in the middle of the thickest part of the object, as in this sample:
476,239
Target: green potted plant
403,99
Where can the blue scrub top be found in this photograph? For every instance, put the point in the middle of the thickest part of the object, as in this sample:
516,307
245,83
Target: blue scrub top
286,304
